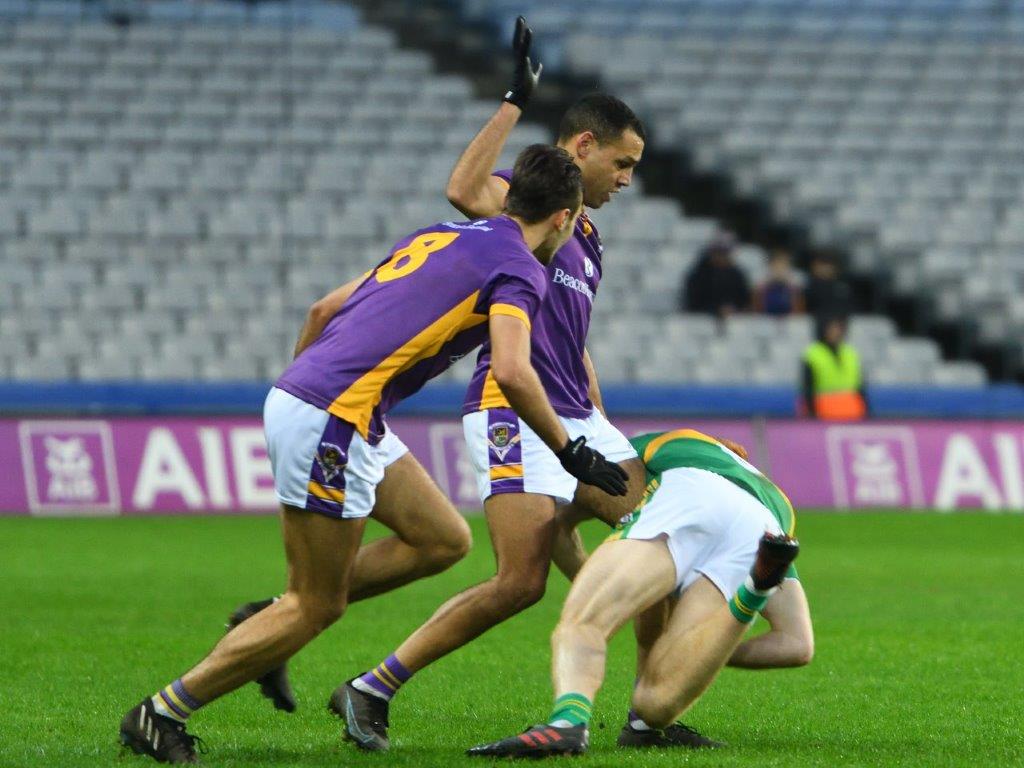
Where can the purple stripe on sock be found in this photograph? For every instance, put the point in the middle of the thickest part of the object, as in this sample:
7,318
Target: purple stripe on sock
186,698
396,668
387,677
172,706
371,680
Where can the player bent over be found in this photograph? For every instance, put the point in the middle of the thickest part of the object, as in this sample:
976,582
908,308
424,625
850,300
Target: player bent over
442,291
710,527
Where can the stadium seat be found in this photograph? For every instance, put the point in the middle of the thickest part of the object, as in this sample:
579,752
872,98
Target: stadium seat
210,169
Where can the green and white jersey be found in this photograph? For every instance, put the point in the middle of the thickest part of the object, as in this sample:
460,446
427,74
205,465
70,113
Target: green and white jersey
661,451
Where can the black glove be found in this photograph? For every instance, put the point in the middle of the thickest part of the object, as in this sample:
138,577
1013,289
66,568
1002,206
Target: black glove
589,466
525,77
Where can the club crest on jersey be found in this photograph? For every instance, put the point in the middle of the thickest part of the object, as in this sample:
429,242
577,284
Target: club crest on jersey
501,438
331,460
588,266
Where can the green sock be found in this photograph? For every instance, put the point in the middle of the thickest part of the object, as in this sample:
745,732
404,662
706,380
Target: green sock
571,709
747,601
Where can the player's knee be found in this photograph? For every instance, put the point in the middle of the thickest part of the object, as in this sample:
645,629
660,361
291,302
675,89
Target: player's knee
519,593
579,618
441,553
527,594
571,632
452,546
653,707
331,610
321,611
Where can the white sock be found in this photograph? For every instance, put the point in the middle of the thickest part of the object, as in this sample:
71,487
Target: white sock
163,709
749,584
359,685
639,725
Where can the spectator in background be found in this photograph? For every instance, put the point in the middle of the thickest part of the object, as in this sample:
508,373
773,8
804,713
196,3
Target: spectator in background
715,285
833,382
780,293
826,294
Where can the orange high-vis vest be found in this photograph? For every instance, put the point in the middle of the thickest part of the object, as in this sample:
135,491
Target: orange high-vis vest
836,378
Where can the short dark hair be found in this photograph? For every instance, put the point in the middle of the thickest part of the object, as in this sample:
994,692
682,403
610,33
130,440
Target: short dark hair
544,180
603,115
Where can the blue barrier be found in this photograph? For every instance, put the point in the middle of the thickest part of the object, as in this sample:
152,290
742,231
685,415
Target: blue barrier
223,398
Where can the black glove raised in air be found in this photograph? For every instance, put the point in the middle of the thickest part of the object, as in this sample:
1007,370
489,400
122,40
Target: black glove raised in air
525,77
590,467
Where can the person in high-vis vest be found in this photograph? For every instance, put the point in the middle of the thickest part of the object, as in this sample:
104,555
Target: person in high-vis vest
833,381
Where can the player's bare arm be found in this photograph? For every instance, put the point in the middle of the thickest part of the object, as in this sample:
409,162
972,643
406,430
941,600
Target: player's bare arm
789,642
471,187
510,363
322,310
519,382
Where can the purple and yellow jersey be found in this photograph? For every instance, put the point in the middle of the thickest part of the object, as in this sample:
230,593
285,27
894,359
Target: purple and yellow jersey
415,314
559,330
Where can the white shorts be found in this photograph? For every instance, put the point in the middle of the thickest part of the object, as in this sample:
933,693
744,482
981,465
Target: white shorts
508,457
712,527
320,462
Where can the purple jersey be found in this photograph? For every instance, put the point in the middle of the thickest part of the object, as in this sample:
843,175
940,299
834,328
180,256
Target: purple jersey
559,331
415,314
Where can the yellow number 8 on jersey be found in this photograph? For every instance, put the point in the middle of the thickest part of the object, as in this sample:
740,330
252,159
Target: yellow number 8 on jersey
407,260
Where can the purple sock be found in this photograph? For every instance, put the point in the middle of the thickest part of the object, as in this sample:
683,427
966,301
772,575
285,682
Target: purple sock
175,702
386,678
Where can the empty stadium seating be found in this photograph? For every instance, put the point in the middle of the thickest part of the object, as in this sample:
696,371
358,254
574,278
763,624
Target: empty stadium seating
892,126
174,192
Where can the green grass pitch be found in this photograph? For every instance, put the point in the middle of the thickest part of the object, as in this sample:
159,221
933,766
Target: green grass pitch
920,654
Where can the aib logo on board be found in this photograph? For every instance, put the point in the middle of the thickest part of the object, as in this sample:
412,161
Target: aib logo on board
874,466
69,467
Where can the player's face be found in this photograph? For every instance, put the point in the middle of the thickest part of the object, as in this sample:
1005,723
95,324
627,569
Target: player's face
608,167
